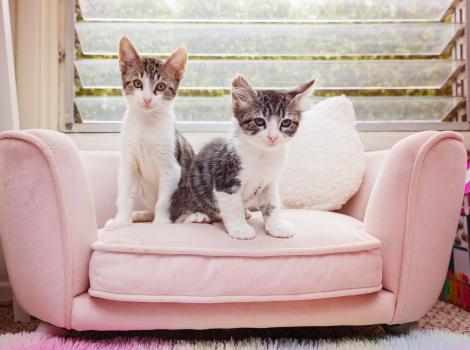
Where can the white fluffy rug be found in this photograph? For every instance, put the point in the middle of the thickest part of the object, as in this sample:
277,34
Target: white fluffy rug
418,339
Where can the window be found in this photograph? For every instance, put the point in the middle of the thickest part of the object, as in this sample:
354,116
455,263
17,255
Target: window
401,62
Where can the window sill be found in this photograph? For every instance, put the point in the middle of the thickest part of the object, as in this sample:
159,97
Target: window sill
372,140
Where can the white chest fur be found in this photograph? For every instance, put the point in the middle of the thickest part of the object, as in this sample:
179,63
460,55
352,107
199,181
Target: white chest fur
150,142
259,168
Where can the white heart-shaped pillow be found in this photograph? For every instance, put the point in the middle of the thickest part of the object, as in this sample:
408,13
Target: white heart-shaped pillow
326,161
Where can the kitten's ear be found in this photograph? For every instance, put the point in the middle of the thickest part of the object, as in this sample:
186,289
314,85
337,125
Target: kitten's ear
301,96
176,63
128,56
243,94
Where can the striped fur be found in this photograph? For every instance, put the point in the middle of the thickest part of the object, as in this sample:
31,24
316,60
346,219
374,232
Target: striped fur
153,154
231,175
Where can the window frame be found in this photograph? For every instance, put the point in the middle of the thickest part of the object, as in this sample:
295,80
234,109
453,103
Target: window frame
67,68
67,123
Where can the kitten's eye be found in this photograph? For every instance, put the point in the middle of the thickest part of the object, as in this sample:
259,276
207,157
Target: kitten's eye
286,123
259,121
137,83
160,87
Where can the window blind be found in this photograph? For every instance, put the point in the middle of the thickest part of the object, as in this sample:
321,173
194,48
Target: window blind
393,59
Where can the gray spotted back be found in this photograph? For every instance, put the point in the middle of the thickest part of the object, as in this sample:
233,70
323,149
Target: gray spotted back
215,167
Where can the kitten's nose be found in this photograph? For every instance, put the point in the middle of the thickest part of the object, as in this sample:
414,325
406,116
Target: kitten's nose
273,138
147,100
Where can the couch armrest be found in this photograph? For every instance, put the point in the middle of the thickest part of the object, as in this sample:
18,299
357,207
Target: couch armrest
413,209
47,221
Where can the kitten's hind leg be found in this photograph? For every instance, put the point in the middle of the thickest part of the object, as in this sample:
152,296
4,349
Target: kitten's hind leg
142,216
197,218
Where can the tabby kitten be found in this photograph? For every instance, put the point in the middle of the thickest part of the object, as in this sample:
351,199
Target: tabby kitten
153,153
228,176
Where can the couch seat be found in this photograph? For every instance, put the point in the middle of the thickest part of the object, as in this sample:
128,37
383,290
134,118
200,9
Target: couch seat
330,256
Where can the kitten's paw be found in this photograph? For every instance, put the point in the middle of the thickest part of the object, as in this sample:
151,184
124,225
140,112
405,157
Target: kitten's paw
281,229
161,220
197,218
242,231
114,224
142,216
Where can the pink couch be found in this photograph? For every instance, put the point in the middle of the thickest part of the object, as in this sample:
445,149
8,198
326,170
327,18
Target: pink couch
382,260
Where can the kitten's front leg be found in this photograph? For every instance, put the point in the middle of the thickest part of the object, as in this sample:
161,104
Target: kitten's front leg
232,213
170,175
127,189
270,206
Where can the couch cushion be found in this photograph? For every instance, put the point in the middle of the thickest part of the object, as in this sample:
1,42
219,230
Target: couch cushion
331,255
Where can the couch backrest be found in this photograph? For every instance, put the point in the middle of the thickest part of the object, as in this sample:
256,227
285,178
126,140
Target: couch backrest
356,206
102,170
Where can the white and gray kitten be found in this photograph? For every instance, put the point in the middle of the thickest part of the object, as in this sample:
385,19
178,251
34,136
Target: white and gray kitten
153,153
231,175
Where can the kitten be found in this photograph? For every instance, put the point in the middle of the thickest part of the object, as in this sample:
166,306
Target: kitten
228,176
153,153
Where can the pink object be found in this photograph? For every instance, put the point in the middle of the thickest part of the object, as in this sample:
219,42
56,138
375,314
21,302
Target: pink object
200,264
467,179
53,198
91,313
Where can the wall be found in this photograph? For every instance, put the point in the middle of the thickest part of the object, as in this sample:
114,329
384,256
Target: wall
36,39
8,98
8,101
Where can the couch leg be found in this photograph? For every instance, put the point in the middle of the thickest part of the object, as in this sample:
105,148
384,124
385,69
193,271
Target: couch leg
19,315
403,328
50,329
